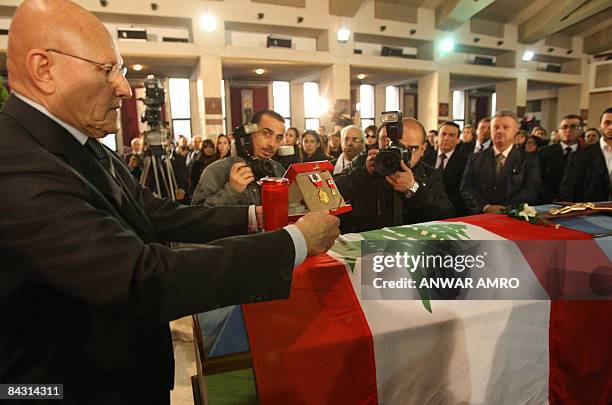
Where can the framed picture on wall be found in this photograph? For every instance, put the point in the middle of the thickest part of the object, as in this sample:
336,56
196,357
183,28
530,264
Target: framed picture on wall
246,103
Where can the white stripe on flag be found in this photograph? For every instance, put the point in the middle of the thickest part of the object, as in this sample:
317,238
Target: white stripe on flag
480,352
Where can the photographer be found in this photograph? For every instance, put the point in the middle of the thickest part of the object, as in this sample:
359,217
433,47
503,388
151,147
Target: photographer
233,181
414,193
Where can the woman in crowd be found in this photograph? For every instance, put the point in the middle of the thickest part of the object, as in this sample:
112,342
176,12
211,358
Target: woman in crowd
311,147
591,136
554,137
334,147
371,137
531,144
222,150
201,162
292,137
520,138
540,134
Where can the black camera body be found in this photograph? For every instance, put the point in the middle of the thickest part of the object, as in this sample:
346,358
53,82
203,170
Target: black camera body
243,140
154,99
387,161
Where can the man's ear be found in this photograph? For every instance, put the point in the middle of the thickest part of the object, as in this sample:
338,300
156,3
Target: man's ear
38,64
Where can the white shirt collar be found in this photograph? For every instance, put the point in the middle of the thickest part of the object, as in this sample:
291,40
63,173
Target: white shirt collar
605,148
564,145
506,152
448,154
484,144
81,137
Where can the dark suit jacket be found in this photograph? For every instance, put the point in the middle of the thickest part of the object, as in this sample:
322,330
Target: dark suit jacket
87,288
468,148
452,175
552,163
518,183
376,204
586,178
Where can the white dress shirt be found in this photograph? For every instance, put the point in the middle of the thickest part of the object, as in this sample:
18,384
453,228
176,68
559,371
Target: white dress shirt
448,156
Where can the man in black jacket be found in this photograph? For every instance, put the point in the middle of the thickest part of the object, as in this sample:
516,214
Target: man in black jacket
482,141
588,177
87,286
501,175
553,158
412,195
451,163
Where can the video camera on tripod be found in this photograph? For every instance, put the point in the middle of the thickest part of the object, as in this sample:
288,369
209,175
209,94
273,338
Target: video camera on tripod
156,141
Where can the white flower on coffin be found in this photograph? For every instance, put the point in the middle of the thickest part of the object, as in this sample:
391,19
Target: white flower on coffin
527,212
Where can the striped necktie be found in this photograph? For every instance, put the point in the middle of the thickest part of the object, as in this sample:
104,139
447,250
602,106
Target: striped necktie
499,163
97,149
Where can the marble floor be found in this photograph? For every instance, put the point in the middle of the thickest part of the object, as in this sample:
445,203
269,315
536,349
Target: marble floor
184,357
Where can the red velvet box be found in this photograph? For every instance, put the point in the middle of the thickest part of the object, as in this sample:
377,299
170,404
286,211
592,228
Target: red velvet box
304,195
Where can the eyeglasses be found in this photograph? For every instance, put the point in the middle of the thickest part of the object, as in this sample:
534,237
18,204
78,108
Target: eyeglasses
111,71
370,136
573,126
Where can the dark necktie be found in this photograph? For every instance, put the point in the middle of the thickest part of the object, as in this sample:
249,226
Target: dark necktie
99,152
442,159
499,163
568,150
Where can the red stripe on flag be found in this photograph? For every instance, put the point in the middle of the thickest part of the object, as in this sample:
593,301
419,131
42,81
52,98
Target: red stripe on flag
315,347
580,332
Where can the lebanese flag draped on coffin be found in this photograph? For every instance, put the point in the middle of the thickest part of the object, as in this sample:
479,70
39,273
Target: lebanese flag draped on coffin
324,345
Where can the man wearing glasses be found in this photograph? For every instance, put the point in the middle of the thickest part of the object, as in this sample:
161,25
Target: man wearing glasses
412,195
230,181
553,158
353,141
87,284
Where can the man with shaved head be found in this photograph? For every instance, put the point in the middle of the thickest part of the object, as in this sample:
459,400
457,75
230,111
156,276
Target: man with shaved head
413,194
87,286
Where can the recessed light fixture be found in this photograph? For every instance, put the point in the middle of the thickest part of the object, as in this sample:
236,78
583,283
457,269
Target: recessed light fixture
259,71
343,34
447,45
208,23
361,76
137,67
527,56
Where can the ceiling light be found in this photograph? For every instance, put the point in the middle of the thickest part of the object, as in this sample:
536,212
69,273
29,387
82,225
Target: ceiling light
447,45
344,34
361,76
137,67
259,71
208,23
528,55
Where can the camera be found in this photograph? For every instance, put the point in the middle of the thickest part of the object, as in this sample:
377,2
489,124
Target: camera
387,161
243,141
156,138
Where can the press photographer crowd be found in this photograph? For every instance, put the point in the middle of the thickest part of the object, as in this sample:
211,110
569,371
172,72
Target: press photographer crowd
399,173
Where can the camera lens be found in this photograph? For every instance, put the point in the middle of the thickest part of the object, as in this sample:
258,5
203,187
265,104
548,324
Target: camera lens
268,167
387,162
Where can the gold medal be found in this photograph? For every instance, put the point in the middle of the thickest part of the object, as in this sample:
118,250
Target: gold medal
323,197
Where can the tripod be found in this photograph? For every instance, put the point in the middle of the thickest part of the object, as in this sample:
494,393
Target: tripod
163,178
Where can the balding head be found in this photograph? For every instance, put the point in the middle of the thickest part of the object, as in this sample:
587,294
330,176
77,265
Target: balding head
413,138
74,90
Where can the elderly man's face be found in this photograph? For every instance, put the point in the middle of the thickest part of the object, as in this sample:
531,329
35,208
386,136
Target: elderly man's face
269,137
504,129
353,143
86,96
136,145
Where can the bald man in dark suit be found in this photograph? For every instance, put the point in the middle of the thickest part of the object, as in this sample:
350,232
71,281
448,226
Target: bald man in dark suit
87,286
